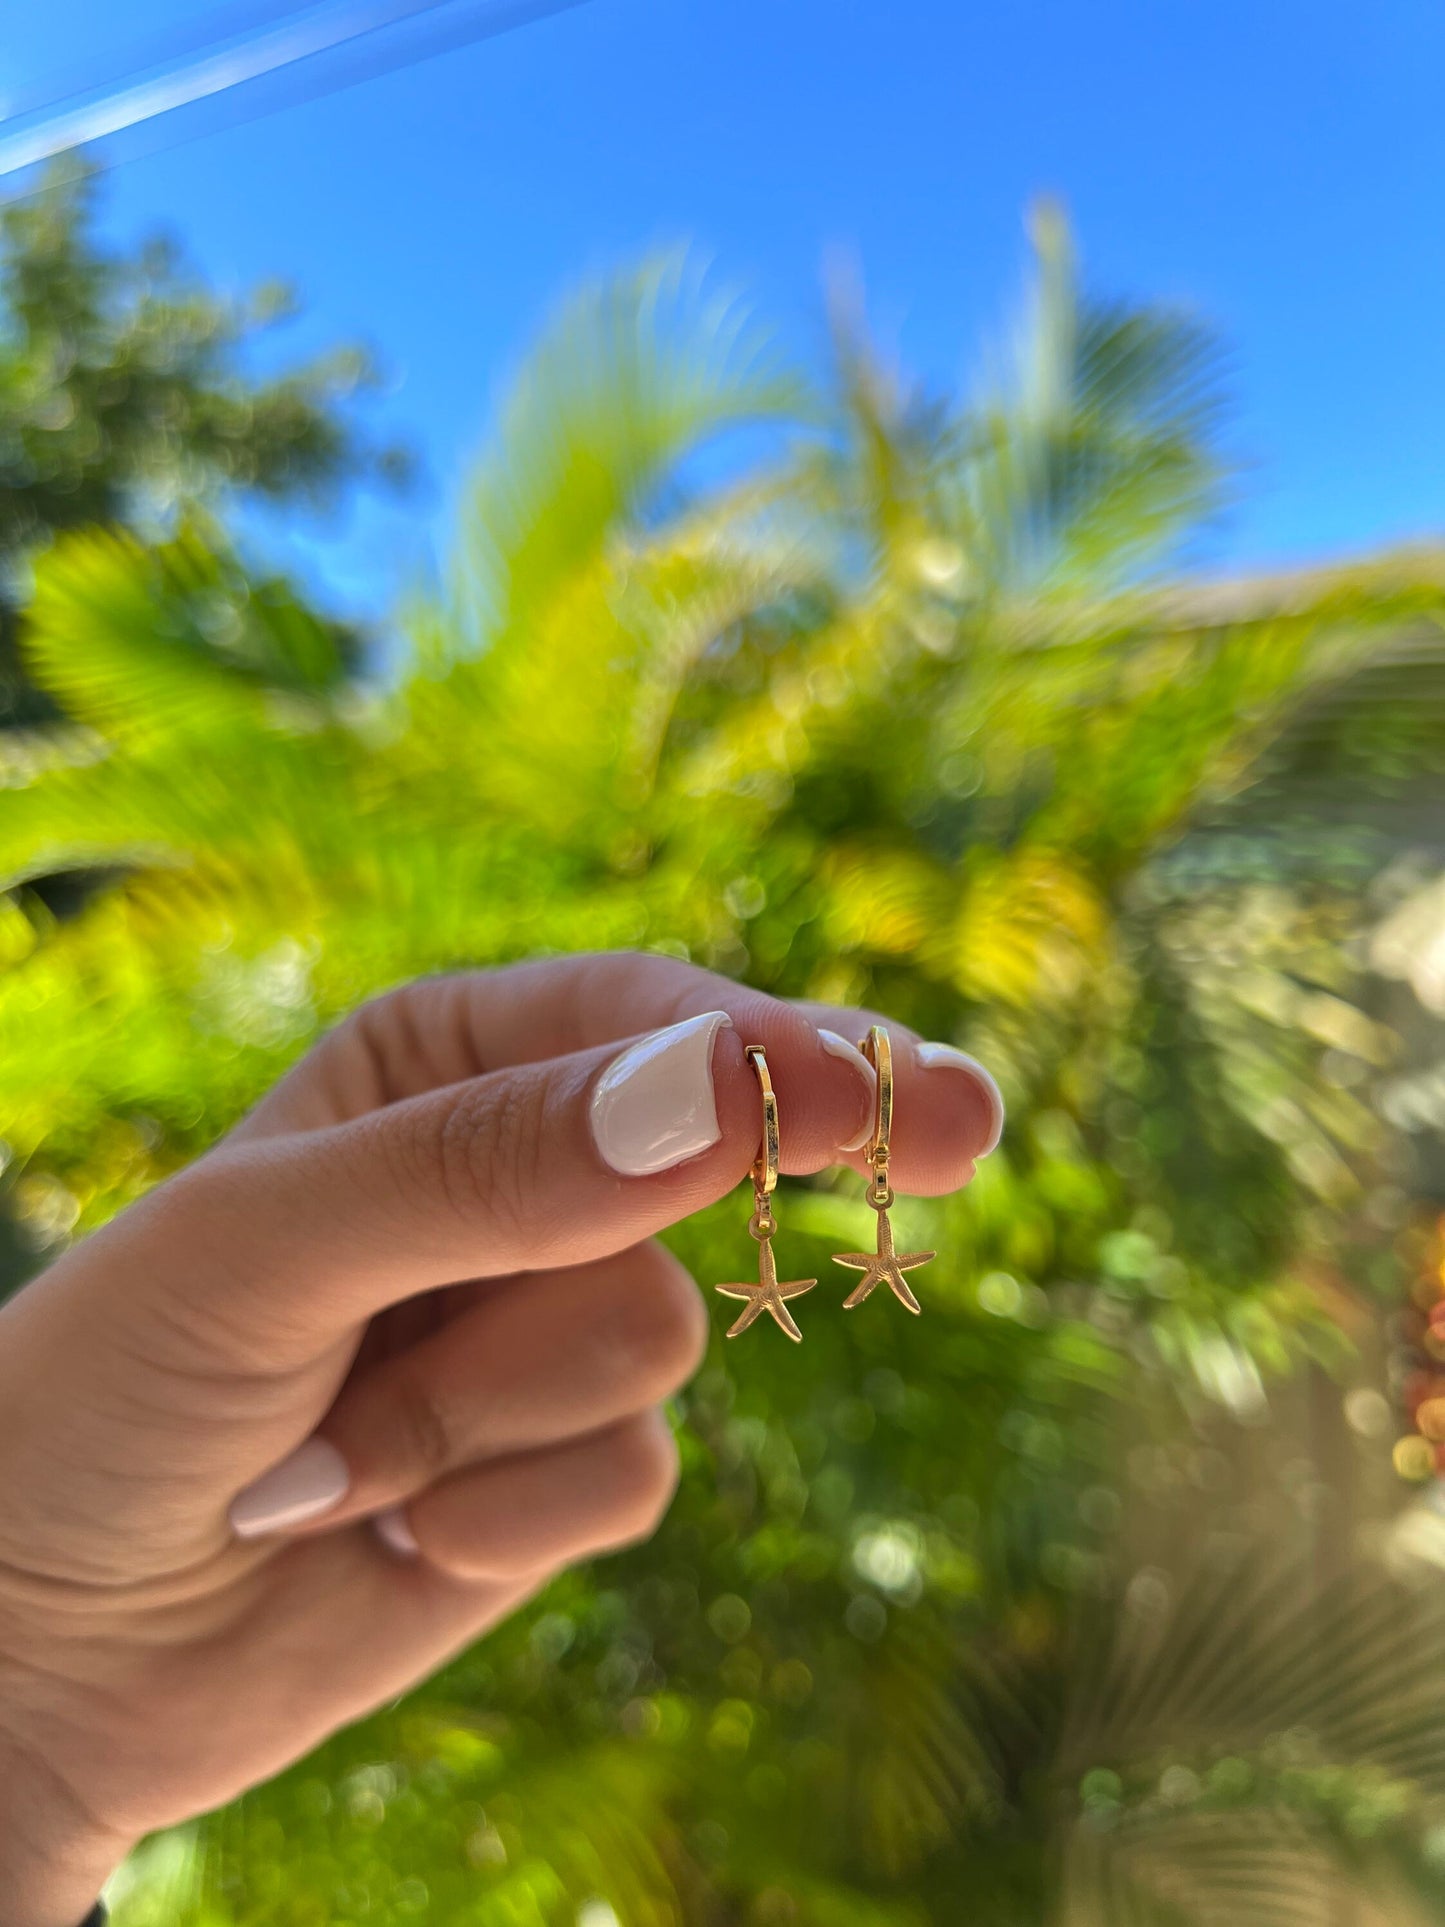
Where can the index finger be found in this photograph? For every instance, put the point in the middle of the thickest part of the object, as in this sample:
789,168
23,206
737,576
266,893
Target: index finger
439,1030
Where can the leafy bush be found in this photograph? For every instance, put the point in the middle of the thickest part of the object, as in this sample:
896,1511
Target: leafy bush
912,708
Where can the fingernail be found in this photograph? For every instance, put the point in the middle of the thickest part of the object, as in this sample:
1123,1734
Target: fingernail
945,1057
307,1483
394,1532
837,1046
654,1105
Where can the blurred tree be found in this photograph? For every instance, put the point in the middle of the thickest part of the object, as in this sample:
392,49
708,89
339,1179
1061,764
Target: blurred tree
909,712
129,395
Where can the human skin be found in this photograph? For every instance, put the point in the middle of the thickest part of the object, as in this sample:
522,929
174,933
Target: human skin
431,1247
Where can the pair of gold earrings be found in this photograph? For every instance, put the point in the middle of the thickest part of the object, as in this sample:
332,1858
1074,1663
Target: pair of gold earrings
884,1265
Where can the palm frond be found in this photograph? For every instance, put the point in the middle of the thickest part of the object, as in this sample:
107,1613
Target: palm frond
1094,457
1264,1735
137,641
636,372
585,580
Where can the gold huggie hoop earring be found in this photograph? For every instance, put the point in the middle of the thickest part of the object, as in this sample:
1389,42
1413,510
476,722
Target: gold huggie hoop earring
767,1294
883,1265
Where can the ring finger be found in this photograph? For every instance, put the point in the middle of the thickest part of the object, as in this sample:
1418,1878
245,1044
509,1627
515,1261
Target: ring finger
536,1360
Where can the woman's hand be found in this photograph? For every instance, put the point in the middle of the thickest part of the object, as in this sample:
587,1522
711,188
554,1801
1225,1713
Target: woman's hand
326,1405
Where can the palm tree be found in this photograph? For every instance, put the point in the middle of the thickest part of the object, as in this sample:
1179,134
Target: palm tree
914,706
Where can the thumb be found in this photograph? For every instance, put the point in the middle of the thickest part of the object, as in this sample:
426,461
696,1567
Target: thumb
289,1242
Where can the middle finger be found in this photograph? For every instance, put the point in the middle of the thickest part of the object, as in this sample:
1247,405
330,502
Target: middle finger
537,1359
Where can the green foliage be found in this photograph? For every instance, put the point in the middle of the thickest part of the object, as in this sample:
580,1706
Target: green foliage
902,714
128,395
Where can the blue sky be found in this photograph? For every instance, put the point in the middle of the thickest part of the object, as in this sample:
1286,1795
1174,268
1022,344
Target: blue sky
1280,167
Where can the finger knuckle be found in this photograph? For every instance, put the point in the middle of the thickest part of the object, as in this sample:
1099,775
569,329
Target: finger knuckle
657,1334
389,1048
425,1429
489,1155
355,1056
647,1473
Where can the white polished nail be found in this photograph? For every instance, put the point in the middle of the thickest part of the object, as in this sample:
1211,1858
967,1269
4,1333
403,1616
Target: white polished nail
395,1533
655,1104
837,1046
312,1480
945,1057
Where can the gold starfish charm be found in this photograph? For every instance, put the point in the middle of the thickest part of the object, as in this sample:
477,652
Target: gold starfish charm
883,1266
767,1294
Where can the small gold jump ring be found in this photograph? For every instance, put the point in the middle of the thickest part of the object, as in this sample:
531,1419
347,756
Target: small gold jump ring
879,1052
765,1165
